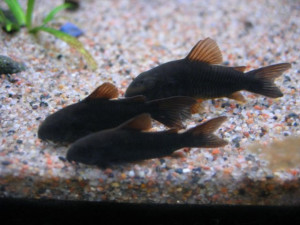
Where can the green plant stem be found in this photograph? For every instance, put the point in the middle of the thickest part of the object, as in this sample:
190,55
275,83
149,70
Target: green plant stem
54,11
16,9
73,42
30,6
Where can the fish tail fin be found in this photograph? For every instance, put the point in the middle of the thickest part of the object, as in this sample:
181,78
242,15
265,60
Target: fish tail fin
171,111
264,79
202,135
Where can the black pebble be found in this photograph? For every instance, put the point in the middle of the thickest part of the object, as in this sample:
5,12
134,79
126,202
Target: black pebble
293,115
62,158
226,104
6,163
236,141
19,141
59,56
250,158
43,104
242,191
248,25
286,79
44,96
196,170
179,171
162,161
10,132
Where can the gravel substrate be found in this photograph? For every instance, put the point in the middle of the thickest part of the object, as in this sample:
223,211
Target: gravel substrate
260,165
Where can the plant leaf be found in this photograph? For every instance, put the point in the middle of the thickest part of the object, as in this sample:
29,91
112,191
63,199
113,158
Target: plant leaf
30,6
54,11
16,9
2,17
8,25
73,42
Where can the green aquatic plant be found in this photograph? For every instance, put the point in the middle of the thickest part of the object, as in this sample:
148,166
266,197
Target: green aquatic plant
22,19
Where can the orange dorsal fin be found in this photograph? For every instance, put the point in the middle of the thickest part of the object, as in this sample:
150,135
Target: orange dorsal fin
140,122
237,96
239,68
104,91
207,127
206,51
196,108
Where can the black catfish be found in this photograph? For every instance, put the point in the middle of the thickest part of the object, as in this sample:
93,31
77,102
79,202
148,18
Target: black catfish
100,111
199,76
127,142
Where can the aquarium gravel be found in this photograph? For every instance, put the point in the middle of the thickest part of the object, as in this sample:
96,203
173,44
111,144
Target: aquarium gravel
127,38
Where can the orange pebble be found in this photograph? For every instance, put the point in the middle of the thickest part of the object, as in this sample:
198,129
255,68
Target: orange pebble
293,172
257,107
249,114
227,171
216,151
246,134
249,121
124,83
266,116
49,161
123,176
224,190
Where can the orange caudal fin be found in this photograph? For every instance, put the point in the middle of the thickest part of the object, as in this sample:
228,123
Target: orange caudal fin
264,80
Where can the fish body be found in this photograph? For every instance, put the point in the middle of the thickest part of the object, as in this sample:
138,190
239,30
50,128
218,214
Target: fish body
199,76
99,111
127,143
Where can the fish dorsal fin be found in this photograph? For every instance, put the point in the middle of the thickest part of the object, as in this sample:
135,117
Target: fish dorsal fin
237,96
206,51
207,127
140,122
197,107
239,68
104,91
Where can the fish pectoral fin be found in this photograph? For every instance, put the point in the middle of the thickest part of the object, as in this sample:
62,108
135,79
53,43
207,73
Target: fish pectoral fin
138,98
140,122
239,68
206,51
237,96
104,91
172,130
197,107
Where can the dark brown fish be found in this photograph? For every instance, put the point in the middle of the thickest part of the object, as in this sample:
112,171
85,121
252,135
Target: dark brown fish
100,111
199,76
127,143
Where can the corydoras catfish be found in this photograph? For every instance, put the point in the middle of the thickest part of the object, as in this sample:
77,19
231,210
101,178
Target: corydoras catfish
128,142
101,111
199,76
